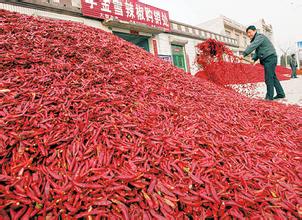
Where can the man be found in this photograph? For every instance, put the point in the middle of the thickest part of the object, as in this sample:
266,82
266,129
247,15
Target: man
293,66
267,55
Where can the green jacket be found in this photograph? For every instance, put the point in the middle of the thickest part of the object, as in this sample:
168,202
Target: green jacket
263,47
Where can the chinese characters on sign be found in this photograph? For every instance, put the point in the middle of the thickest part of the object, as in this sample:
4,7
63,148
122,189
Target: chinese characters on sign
127,10
167,58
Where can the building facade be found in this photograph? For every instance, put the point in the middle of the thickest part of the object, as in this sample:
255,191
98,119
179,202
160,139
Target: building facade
230,28
170,40
184,38
266,29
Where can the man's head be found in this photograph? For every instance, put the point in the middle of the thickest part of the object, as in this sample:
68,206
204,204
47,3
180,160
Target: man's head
251,31
293,55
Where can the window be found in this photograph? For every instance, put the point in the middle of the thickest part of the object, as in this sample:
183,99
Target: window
174,26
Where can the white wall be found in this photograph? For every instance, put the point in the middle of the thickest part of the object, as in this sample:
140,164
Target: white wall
163,44
191,52
215,25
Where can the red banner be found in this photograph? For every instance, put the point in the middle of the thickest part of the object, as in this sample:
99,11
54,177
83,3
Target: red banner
155,47
127,10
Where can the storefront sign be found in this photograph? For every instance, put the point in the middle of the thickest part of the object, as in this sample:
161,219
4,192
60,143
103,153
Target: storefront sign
177,50
167,58
134,32
127,10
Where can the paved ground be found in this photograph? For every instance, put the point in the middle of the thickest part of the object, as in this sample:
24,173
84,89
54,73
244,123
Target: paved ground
292,88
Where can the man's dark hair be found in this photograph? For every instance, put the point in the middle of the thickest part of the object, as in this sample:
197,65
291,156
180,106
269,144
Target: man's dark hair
293,55
251,27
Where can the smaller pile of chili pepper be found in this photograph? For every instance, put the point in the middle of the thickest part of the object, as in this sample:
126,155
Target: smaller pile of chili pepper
218,64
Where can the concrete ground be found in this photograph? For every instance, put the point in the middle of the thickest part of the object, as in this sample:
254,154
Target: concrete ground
292,89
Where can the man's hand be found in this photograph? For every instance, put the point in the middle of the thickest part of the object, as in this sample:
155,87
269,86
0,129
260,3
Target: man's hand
241,57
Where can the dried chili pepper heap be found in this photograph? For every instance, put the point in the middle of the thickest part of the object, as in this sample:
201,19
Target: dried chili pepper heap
92,126
218,64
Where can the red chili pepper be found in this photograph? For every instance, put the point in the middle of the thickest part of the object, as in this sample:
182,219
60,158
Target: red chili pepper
151,186
91,213
19,213
124,210
118,188
4,215
156,215
161,188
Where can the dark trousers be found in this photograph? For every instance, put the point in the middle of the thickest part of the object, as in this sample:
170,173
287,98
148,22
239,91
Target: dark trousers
271,79
294,72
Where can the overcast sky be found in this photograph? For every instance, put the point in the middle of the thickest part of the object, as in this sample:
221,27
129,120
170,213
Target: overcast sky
284,15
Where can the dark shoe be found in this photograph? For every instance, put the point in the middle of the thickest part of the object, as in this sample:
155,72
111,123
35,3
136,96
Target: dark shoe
268,99
279,97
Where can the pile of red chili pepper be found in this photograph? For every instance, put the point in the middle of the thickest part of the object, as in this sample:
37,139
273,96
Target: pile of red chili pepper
219,65
94,127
